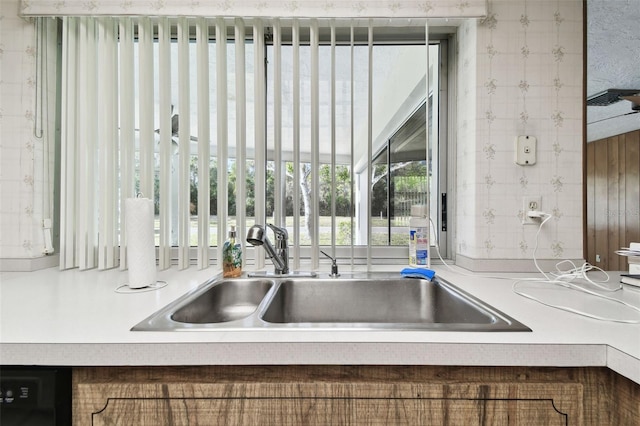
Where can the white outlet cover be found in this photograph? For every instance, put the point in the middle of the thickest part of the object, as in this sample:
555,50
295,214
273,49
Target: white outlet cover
526,147
526,201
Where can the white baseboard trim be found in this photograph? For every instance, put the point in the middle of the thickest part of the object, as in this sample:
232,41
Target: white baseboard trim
509,265
28,264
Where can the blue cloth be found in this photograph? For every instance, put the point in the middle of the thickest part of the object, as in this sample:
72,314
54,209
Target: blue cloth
418,273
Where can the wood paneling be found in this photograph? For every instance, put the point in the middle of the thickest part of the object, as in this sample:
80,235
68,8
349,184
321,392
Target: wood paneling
314,395
613,198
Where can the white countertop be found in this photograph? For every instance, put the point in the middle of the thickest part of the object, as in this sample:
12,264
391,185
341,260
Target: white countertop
53,317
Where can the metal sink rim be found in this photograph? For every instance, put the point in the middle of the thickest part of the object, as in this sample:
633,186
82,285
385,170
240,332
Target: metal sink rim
161,319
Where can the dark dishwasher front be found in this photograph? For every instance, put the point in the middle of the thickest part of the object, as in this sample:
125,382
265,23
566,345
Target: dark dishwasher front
35,396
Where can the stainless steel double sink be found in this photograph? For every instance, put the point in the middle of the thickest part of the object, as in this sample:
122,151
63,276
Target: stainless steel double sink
371,302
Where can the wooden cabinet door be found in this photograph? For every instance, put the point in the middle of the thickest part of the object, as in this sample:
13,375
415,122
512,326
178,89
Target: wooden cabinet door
328,404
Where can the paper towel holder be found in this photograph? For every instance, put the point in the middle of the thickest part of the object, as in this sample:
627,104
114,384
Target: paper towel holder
125,289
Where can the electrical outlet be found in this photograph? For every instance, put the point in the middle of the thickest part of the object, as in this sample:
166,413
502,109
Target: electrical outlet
530,203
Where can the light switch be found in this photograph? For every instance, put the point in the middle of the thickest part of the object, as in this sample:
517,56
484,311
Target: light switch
525,150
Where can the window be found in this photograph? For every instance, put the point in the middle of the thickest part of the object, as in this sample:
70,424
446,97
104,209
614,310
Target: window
399,128
327,138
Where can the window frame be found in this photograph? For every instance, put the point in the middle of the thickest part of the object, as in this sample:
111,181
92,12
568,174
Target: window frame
396,254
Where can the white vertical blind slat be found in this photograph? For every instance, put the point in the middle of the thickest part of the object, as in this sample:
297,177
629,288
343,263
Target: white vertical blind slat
204,197
145,106
113,119
259,129
164,70
184,144
369,137
107,137
127,127
278,199
69,145
352,136
241,132
146,102
87,244
428,141
91,145
315,142
333,137
295,38
222,130
83,77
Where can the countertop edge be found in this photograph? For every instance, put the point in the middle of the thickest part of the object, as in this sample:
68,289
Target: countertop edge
623,364
321,353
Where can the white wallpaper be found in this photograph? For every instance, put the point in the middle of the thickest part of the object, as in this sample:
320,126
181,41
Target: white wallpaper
23,205
18,148
528,81
520,73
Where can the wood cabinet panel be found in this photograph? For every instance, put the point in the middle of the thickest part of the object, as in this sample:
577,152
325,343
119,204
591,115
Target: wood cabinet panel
590,210
295,404
613,198
315,395
325,411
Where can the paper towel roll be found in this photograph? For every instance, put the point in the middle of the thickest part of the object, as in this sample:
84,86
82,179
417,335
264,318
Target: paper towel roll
141,247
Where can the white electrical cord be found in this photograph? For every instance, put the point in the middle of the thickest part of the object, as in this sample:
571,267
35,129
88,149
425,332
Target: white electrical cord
562,278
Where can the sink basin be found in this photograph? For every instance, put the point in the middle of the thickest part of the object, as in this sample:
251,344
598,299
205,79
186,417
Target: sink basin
375,302
413,301
213,303
227,301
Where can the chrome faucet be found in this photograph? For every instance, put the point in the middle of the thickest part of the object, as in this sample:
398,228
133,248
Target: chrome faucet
279,255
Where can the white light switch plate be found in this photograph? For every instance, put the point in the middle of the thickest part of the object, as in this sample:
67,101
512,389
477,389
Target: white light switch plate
526,150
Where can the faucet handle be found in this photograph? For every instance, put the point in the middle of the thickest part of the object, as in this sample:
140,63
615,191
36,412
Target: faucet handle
334,265
280,233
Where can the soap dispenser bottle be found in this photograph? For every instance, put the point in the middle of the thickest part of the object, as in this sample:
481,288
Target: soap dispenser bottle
231,256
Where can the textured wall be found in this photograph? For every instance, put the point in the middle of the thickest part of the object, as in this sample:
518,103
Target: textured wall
23,205
19,149
527,57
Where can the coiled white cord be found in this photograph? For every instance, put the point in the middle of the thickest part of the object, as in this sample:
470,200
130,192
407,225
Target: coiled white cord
565,278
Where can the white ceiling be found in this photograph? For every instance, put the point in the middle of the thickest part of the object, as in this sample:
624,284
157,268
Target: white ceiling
613,62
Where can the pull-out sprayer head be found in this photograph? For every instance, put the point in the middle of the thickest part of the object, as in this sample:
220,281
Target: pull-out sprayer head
258,237
255,236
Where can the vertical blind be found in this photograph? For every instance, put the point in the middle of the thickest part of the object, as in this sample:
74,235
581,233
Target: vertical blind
123,77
